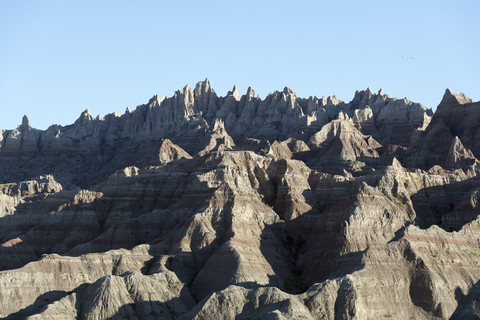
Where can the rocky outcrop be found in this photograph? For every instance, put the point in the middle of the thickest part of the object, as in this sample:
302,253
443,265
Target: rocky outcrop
390,121
342,138
204,207
216,139
169,151
43,184
451,98
458,156
23,139
24,192
457,117
340,145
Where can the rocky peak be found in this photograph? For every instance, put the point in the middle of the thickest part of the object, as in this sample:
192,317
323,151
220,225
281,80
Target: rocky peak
287,91
168,152
188,97
458,155
330,100
451,98
396,165
85,115
155,101
343,116
187,90
219,126
25,124
205,99
234,93
250,93
362,97
203,87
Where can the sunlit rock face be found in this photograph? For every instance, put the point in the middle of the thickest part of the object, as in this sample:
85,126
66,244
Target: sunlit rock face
199,206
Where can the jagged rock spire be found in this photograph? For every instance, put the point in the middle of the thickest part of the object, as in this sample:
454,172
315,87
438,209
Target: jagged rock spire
251,93
203,87
25,124
84,116
451,98
288,91
362,97
234,93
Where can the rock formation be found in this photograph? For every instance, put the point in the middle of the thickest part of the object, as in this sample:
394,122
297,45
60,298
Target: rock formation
169,152
206,207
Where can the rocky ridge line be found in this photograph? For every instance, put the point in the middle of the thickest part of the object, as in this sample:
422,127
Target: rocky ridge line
207,208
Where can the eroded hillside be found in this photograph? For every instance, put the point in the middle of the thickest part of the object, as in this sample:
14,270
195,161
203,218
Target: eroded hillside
205,207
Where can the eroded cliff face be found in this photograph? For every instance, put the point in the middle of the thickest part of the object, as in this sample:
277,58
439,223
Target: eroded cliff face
206,207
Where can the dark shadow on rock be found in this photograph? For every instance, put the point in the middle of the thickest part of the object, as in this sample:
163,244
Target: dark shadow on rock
278,252
37,218
466,303
400,232
344,304
324,255
446,206
152,310
347,264
266,308
40,303
288,243
421,291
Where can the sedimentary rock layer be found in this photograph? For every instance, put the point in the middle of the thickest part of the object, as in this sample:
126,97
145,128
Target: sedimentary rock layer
206,207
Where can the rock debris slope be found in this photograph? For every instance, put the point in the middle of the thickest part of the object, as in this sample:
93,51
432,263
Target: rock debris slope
205,207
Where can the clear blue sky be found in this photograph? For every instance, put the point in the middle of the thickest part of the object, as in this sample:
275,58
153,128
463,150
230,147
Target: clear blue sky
58,58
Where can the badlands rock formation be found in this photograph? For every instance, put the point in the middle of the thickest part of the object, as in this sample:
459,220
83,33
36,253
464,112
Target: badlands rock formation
205,207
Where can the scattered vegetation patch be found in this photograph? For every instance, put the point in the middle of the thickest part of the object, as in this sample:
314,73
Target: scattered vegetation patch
255,235
263,152
471,253
97,253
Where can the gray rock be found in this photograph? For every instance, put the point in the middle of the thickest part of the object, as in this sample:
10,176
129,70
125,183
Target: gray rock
288,208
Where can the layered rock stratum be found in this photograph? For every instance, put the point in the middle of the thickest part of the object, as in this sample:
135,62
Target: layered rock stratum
205,207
